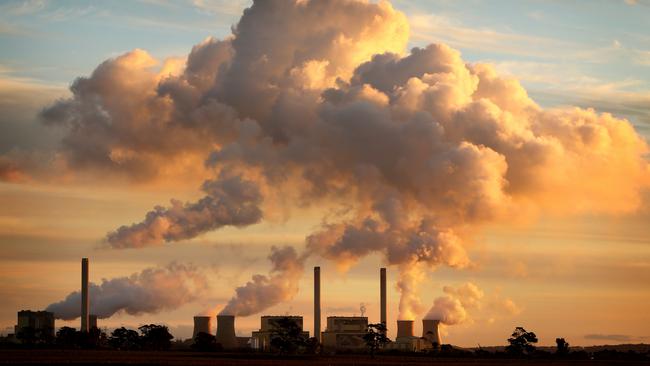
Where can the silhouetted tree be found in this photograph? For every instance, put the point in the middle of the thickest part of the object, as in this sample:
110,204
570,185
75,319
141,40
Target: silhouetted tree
67,337
521,342
155,337
124,339
287,336
93,339
375,337
313,346
205,342
562,347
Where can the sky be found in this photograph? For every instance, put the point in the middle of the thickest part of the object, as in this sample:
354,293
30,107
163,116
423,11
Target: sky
514,209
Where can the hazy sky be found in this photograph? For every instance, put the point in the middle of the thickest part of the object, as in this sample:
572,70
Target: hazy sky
581,274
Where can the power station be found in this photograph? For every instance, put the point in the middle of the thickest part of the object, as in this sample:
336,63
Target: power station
341,333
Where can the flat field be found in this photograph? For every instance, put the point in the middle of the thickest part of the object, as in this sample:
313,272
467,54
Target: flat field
79,357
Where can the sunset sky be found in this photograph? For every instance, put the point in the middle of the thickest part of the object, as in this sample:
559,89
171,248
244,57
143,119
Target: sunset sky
492,154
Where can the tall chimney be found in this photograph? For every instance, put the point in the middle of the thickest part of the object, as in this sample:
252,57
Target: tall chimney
382,295
85,304
202,325
226,331
317,303
404,328
430,330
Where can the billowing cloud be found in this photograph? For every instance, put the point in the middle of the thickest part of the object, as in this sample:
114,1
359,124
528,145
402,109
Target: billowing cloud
148,292
417,150
229,201
466,302
262,292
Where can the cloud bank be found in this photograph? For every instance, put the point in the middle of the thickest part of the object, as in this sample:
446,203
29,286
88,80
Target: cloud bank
311,102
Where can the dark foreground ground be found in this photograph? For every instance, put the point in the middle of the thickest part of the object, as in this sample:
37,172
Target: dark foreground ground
77,357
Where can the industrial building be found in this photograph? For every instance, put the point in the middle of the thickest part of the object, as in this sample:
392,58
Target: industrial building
345,333
42,322
261,339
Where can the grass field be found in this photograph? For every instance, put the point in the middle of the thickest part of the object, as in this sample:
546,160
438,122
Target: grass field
79,357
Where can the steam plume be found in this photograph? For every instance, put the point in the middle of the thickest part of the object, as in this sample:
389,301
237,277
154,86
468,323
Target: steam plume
459,304
262,292
421,149
230,201
150,291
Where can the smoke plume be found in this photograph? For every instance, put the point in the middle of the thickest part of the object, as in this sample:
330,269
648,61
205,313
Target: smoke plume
262,292
150,291
459,304
321,99
229,201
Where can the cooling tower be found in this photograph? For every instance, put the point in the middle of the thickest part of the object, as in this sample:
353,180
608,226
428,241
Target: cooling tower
85,304
226,331
202,324
430,331
317,303
404,328
382,295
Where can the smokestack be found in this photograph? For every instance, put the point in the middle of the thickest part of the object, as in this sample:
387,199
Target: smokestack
226,331
317,303
430,331
202,324
92,321
404,328
85,304
382,295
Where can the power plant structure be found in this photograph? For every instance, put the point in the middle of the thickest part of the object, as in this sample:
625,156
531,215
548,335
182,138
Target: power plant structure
382,296
430,331
41,323
345,333
341,333
317,315
202,324
269,325
85,303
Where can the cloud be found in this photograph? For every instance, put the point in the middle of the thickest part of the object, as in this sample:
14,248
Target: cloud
417,151
148,292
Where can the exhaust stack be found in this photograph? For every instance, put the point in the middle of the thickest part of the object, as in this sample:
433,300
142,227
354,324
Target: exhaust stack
202,324
430,330
226,331
382,295
404,328
317,315
85,303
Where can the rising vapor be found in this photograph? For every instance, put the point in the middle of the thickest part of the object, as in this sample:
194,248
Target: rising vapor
322,99
148,292
262,292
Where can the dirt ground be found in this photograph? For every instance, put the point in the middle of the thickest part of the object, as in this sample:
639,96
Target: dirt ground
59,357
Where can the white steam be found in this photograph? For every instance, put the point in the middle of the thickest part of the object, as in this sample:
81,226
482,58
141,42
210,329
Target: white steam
148,292
262,292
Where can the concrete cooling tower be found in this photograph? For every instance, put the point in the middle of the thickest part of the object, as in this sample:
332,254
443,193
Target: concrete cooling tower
430,330
202,324
226,331
404,328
